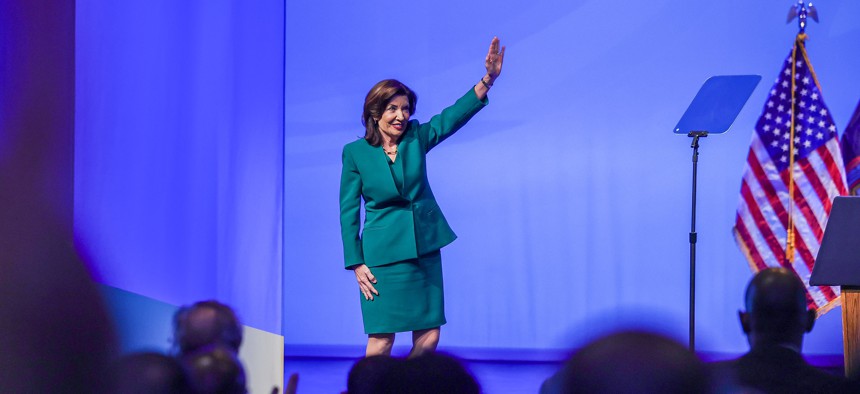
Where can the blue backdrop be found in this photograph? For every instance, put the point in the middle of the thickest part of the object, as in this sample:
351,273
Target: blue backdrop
570,193
178,150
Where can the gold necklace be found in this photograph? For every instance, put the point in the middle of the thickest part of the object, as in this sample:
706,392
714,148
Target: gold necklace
390,152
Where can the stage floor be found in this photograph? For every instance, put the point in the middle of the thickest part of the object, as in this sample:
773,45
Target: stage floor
318,375
328,374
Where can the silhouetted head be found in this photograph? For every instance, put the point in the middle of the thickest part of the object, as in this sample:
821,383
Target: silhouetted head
55,332
215,369
149,373
634,362
776,309
366,375
430,373
206,323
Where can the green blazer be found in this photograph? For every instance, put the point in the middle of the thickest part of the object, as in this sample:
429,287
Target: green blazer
398,225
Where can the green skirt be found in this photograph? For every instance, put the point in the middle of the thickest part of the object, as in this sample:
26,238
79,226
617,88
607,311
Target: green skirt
410,296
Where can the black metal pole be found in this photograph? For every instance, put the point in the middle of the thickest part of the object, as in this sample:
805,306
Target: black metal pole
693,237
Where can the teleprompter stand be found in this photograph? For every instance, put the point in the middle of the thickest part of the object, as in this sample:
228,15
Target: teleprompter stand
712,111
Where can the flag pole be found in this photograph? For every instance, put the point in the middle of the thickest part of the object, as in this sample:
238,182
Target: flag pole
789,236
801,11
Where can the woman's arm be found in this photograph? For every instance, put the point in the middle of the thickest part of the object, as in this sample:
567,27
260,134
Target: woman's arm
350,206
493,63
445,124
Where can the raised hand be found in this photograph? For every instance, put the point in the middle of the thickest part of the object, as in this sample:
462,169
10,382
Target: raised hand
494,60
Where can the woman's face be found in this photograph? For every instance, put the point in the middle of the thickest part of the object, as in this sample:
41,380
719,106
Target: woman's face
394,117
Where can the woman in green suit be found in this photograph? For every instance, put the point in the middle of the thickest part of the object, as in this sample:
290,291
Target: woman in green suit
396,256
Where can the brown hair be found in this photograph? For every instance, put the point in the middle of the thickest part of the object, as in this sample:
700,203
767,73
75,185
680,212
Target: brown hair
376,101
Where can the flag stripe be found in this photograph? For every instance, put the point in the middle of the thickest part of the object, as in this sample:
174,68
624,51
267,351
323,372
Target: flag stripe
810,183
819,296
808,260
764,204
749,245
836,171
770,239
769,189
810,198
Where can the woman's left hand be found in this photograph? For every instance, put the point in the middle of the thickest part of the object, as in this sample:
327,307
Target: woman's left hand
494,60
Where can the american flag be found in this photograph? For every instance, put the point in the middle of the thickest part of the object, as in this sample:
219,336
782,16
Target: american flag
792,174
851,152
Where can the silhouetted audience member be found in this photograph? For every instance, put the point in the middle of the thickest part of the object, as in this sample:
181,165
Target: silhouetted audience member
55,333
429,373
775,321
206,323
215,369
630,362
366,375
149,373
